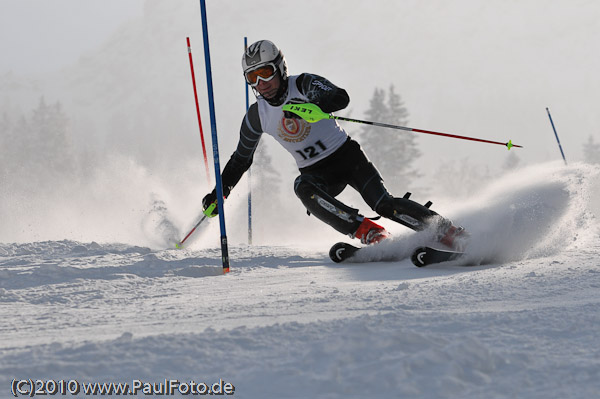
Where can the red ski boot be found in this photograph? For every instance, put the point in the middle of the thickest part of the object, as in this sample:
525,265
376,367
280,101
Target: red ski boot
370,232
453,237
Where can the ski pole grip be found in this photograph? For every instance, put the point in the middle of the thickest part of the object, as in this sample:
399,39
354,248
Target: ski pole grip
209,211
309,112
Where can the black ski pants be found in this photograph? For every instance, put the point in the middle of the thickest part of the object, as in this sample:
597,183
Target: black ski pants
319,184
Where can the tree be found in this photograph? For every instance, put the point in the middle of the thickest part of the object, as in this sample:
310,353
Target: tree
266,179
18,148
5,136
394,151
39,149
5,148
266,192
591,151
11,143
459,178
49,138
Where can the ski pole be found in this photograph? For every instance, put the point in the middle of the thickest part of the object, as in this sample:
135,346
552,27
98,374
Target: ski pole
312,113
198,111
207,214
556,135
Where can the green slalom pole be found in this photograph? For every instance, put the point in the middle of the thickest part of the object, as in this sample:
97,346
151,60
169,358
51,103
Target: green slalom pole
312,113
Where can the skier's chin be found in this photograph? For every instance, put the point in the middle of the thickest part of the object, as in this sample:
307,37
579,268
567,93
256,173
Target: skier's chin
270,95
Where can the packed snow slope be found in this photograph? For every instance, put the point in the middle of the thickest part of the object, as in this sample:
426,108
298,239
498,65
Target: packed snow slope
520,322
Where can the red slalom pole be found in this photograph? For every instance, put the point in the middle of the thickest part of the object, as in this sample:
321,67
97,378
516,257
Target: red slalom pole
198,112
180,244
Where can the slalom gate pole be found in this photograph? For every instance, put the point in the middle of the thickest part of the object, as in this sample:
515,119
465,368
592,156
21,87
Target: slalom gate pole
213,126
180,244
189,47
556,135
249,169
198,113
312,113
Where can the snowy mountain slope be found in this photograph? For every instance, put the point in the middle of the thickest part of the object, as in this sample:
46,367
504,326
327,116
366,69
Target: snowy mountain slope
287,322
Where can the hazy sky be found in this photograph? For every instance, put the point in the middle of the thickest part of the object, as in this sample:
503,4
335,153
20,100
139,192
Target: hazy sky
42,35
477,68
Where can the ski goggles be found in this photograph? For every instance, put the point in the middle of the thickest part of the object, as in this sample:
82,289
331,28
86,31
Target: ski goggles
264,72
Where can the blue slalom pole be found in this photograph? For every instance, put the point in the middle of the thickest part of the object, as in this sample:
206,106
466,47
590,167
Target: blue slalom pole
213,126
250,169
556,134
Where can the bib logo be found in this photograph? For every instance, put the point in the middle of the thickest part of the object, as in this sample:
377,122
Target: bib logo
293,130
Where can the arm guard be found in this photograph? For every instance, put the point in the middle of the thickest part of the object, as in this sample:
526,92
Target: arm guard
240,161
322,92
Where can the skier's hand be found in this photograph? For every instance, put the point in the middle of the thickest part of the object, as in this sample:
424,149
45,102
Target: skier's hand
291,115
207,204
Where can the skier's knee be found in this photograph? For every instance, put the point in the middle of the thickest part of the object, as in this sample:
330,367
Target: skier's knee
304,187
385,207
325,207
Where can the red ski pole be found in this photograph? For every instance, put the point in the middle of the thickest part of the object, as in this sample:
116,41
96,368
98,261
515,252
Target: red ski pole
206,214
198,111
312,113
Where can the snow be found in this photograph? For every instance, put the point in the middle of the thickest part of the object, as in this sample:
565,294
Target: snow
287,322
91,288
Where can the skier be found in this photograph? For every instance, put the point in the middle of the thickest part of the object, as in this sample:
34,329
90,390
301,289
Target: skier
328,159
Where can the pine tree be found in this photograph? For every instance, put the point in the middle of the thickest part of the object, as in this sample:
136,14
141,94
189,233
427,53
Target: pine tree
46,148
266,191
5,148
591,151
267,179
378,110
5,136
20,143
459,178
394,152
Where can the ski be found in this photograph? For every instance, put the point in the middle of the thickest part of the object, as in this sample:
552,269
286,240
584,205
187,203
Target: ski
424,256
341,251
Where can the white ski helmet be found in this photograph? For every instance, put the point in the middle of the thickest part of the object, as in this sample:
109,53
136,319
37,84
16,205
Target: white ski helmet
262,53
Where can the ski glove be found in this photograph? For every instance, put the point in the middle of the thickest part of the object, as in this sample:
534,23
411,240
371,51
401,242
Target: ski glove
291,115
207,203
